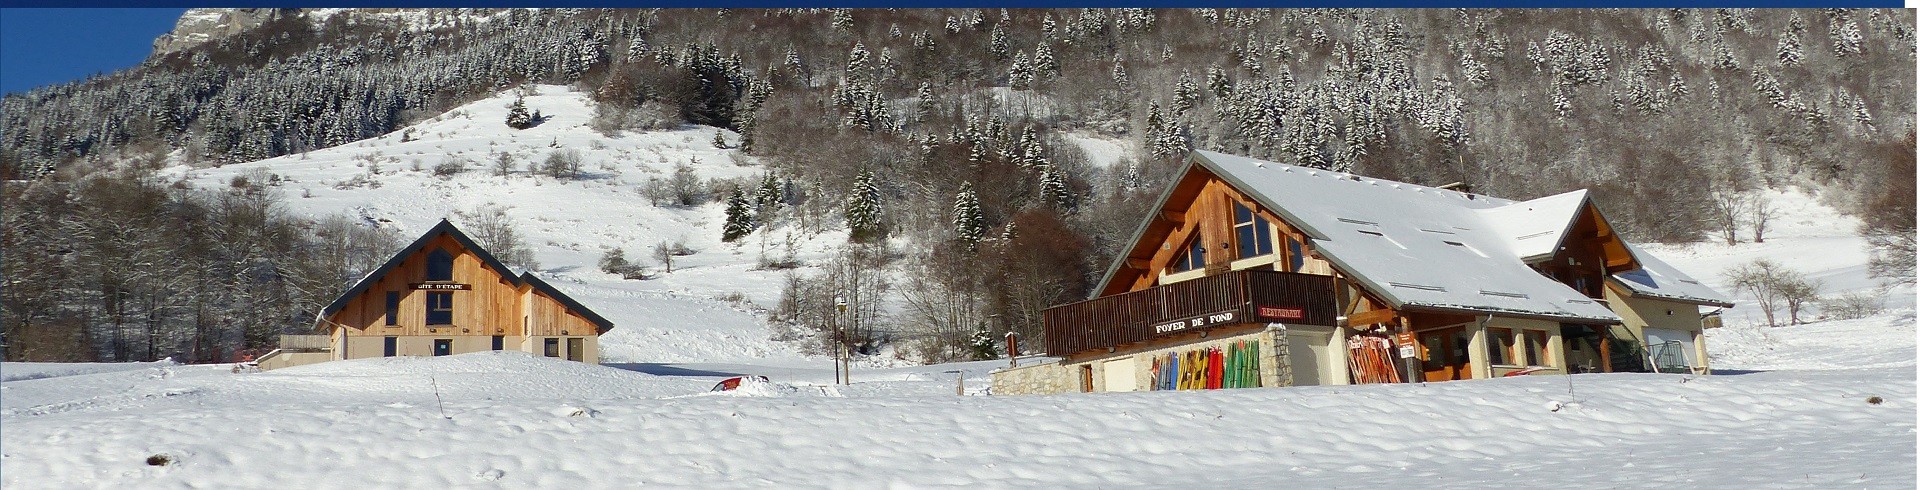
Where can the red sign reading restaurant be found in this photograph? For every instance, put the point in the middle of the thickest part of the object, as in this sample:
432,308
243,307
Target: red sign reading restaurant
1279,313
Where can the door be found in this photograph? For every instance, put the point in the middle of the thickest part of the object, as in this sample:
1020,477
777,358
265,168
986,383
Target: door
393,347
1308,357
1119,375
1671,350
1446,351
442,347
575,349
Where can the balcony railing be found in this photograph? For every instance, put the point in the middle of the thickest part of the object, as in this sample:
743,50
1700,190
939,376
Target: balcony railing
1220,300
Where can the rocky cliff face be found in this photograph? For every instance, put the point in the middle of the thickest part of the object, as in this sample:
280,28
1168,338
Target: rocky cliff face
199,26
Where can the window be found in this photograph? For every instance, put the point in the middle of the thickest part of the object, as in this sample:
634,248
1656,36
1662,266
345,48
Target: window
553,348
499,342
1254,233
393,346
1536,347
576,349
439,308
1297,258
1500,346
393,308
442,347
439,265
1195,257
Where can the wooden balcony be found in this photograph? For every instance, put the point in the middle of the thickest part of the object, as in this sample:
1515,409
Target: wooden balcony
1230,298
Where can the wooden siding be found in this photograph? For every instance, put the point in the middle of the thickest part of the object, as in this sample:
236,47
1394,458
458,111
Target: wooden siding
492,306
547,317
1202,204
1117,320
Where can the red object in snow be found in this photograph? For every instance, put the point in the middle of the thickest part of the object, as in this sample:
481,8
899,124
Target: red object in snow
733,383
1523,372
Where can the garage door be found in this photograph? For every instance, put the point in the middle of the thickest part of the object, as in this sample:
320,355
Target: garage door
1308,354
1672,350
1119,375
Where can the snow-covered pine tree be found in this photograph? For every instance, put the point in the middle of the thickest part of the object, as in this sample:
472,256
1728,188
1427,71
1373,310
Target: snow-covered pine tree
863,210
739,217
1186,93
1053,188
517,115
969,224
767,199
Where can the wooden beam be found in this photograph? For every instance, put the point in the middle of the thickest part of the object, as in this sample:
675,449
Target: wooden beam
1176,217
1373,316
1139,263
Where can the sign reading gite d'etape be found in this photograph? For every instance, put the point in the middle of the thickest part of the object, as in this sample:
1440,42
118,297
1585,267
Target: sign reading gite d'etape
1195,322
440,286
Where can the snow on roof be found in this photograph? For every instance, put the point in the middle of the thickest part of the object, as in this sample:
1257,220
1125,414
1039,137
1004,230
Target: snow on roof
1660,280
1534,229
1412,244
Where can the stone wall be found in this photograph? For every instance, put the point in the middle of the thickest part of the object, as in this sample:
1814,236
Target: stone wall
1037,379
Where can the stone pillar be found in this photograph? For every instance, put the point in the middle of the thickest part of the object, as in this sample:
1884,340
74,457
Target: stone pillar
1275,369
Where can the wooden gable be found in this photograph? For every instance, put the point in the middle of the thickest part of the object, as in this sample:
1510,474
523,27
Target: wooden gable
486,298
1200,206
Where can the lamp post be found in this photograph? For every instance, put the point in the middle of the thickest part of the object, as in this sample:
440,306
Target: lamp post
842,369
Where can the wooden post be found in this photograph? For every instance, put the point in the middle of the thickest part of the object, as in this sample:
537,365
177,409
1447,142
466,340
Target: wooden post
1412,363
1606,348
1013,350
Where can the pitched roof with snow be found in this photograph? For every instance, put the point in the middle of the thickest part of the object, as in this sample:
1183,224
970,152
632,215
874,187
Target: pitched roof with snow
1658,279
446,228
1419,246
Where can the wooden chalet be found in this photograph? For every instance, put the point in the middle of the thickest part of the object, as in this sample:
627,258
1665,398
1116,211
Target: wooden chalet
1255,273
444,295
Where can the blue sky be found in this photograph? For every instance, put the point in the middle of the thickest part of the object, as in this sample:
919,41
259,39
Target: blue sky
40,47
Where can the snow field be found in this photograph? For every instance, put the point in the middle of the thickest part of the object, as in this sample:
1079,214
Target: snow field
520,421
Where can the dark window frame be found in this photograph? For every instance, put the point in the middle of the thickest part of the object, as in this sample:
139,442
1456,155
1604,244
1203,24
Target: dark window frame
1194,255
439,265
440,308
442,347
1536,345
551,347
1500,347
393,308
1253,234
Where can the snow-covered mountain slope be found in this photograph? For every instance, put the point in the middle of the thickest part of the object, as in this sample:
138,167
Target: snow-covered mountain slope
568,223
1807,236
1823,405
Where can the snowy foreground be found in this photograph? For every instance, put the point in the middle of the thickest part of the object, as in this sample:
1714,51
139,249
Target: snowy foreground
517,421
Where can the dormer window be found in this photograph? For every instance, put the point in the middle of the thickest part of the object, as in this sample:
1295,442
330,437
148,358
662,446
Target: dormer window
439,265
1253,233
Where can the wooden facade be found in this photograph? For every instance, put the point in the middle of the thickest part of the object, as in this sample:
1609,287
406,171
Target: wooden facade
445,295
1212,302
1191,271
